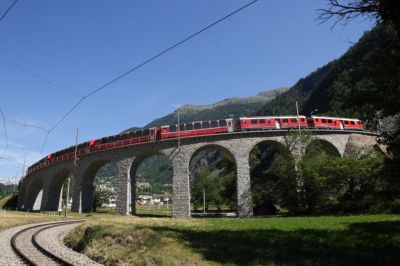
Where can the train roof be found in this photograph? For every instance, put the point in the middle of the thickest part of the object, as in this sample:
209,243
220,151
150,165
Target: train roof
340,118
197,121
276,116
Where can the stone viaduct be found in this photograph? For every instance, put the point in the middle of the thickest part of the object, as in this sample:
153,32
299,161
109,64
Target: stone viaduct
46,184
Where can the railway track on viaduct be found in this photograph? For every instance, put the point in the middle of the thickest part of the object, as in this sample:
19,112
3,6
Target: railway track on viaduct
26,245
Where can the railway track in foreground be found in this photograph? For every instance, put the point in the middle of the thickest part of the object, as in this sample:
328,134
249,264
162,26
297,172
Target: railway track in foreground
25,245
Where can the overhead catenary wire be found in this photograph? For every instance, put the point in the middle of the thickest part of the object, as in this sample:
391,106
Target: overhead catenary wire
5,131
157,55
41,78
8,10
26,124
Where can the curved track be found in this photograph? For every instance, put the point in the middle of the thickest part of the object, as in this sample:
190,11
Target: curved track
24,243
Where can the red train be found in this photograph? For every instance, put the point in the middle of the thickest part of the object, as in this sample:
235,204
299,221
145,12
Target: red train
199,128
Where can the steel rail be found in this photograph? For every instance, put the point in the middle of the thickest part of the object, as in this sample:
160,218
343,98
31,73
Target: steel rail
39,247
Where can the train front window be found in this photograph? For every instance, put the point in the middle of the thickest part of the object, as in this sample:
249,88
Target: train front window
172,128
197,125
222,123
214,123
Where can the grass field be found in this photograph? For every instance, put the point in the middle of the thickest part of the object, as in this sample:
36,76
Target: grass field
324,240
10,219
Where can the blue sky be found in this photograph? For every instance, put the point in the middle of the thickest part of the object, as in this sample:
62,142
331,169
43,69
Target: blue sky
84,44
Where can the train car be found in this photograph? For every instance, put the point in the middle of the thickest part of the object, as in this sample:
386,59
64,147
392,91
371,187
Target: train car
128,138
352,124
325,122
255,123
271,122
198,128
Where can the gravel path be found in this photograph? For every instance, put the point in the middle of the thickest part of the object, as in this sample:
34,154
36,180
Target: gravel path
7,254
51,240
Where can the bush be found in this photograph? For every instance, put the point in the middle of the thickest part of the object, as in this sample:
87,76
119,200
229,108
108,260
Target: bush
395,206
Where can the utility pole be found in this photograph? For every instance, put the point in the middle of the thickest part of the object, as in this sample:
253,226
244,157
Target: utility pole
178,130
76,148
204,200
298,120
66,200
23,166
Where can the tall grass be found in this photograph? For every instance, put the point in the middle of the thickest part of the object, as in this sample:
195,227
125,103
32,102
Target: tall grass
324,240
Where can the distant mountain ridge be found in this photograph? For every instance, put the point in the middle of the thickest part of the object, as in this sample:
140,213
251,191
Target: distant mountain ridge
236,106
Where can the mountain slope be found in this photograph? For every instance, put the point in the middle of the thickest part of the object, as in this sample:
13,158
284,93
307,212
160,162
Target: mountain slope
334,88
233,106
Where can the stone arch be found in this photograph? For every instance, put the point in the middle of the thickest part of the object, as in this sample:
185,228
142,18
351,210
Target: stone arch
138,160
263,186
318,145
33,200
22,187
86,184
280,147
56,184
226,151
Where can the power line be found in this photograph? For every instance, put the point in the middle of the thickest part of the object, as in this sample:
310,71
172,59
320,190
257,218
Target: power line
26,124
16,164
145,63
52,83
8,10
5,131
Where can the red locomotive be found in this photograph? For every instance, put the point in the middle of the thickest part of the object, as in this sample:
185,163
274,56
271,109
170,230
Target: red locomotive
199,128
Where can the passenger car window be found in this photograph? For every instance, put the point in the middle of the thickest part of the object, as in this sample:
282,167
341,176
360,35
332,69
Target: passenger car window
294,120
197,125
254,121
222,123
172,128
329,120
189,126
206,124
262,121
284,120
214,123
323,120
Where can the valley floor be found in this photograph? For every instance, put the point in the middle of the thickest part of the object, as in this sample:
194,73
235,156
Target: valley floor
321,240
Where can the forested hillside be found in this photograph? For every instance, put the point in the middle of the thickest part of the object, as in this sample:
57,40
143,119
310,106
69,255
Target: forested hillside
340,86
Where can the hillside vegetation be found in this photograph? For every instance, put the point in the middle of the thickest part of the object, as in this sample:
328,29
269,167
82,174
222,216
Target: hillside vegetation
342,87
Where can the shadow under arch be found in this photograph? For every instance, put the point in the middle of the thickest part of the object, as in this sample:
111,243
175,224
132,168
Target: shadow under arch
228,190
133,173
87,184
317,146
271,163
34,197
56,185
